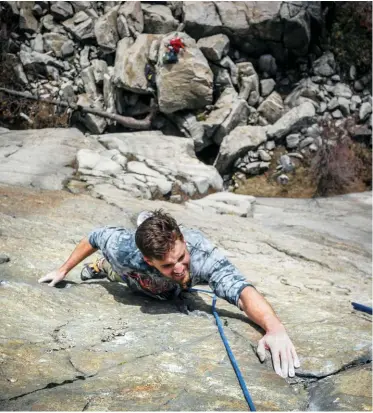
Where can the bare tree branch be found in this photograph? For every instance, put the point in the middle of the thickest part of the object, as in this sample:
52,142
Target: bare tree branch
126,121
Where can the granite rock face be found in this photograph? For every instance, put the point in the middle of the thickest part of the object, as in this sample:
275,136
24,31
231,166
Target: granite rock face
108,349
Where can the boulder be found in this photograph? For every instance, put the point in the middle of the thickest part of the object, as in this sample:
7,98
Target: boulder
297,27
248,81
187,84
61,10
53,42
37,62
264,155
37,44
365,111
286,163
214,47
344,106
172,157
201,19
325,65
95,124
27,21
306,142
133,14
122,27
222,78
292,121
67,92
67,49
43,158
100,68
81,26
255,168
82,5
158,19
238,142
272,108
306,91
337,114
106,31
342,90
267,86
333,104
227,63
130,61
225,203
267,65
109,91
231,111
191,128
88,77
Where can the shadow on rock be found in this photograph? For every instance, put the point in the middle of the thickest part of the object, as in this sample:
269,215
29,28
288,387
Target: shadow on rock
191,304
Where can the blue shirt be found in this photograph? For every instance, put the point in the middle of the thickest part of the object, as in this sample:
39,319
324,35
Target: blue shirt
207,264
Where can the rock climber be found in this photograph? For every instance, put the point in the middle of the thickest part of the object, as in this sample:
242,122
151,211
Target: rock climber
173,48
163,260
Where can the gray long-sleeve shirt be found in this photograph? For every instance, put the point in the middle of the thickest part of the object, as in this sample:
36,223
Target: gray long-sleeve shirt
207,264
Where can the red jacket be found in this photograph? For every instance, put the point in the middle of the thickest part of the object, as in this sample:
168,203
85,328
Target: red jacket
177,44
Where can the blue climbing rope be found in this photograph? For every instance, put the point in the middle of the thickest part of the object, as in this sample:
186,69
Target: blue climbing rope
361,307
229,351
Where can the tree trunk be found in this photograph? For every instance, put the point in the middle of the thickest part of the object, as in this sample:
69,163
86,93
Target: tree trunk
126,121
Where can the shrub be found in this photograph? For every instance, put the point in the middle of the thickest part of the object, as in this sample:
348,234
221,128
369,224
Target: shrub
351,34
336,167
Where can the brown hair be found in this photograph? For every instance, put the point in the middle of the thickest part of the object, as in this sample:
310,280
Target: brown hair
157,235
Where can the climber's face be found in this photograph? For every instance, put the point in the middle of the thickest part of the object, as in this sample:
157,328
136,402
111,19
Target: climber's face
175,264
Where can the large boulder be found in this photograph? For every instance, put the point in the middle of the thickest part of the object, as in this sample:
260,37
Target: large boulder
238,142
95,124
324,65
81,26
130,62
61,10
40,158
53,42
272,108
306,91
248,82
35,62
158,19
297,27
230,111
214,47
292,121
106,31
133,14
171,157
192,128
255,27
27,20
201,19
187,84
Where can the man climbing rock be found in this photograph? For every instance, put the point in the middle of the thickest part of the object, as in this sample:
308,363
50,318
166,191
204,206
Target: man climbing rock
173,49
162,260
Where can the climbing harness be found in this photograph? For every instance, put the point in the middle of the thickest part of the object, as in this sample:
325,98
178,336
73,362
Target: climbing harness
229,351
361,307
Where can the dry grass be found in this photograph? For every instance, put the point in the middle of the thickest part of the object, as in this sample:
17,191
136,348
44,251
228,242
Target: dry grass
304,184
300,185
41,115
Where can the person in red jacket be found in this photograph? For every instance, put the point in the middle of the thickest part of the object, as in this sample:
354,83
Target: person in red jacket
177,44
